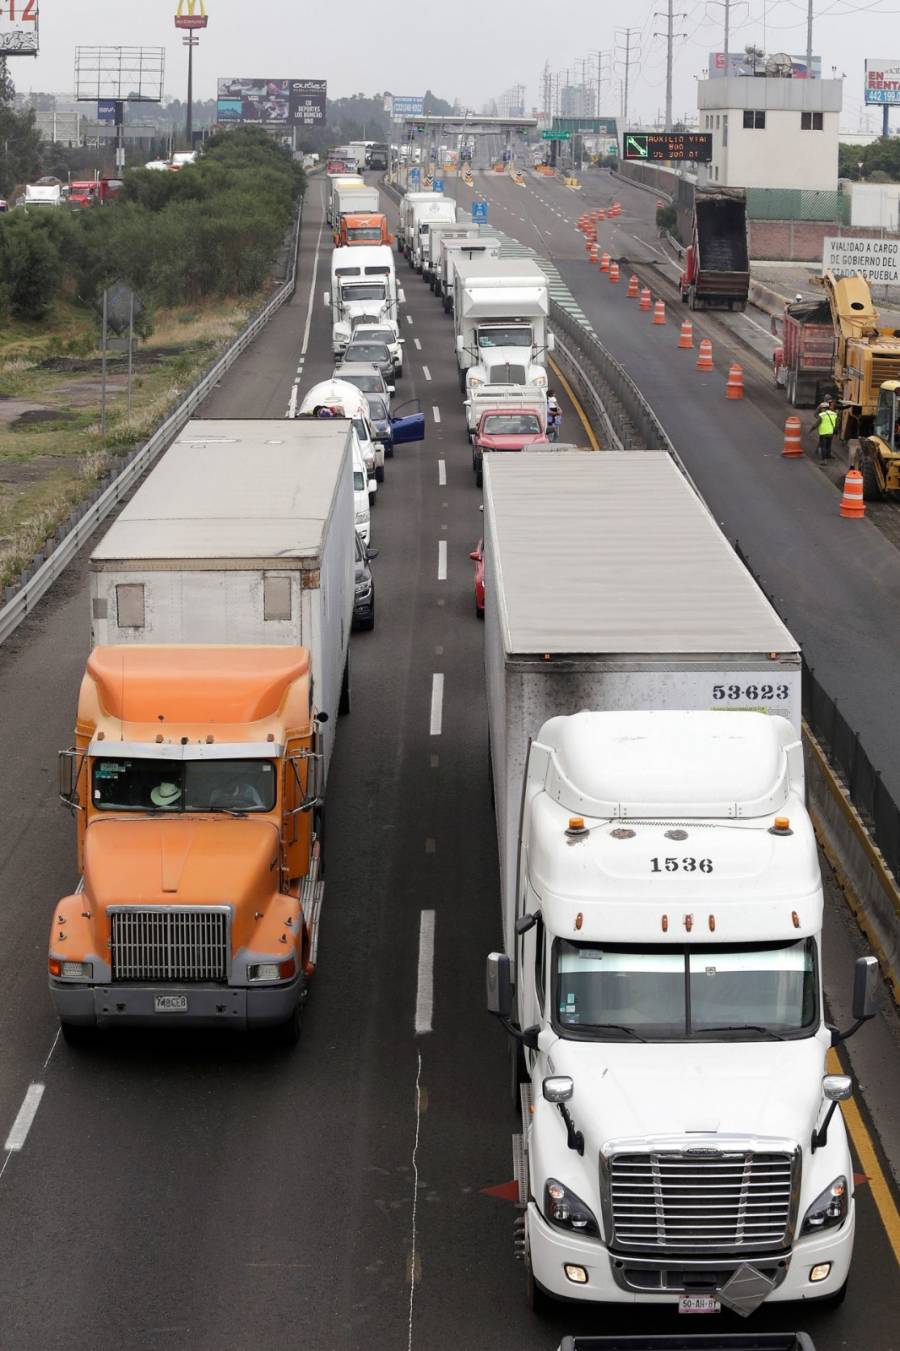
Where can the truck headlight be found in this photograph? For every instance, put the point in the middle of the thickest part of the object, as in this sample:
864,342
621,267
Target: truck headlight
474,380
362,517
828,1209
540,381
362,589
70,970
269,971
566,1210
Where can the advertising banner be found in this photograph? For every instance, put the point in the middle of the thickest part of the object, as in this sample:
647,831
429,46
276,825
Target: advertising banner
877,259
106,110
408,105
18,27
739,63
191,14
308,102
882,81
271,103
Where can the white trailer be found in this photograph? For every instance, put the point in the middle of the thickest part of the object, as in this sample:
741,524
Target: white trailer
454,250
500,319
432,210
363,289
438,232
404,228
242,533
358,198
662,902
333,184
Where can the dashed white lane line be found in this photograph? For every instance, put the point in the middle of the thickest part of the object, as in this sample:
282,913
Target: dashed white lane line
23,1122
418,344
437,703
442,560
766,331
292,405
425,982
426,372
442,473
436,412
409,318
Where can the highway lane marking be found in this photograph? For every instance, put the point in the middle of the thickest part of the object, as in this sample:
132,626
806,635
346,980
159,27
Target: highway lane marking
862,1143
442,473
418,344
437,703
442,560
771,336
23,1122
436,412
415,1197
426,372
292,404
409,319
425,981
589,431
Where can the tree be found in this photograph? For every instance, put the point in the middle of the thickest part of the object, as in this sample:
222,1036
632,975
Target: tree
21,152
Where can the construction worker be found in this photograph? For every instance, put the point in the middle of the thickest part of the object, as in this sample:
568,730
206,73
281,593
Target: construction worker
825,425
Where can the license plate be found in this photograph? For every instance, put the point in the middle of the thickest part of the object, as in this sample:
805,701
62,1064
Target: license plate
170,1003
699,1304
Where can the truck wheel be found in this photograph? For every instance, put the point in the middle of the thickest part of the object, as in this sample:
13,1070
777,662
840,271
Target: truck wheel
379,474
871,487
288,1033
400,371
344,703
479,477
369,624
389,451
462,382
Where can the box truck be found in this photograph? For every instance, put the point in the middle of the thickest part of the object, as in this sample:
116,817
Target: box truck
500,322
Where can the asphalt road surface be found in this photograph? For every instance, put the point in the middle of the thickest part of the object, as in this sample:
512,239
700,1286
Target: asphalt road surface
202,1193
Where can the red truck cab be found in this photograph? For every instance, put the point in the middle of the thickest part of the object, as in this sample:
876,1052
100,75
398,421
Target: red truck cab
368,227
93,191
502,429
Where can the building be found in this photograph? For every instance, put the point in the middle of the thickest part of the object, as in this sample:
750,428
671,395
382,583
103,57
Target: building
772,132
576,100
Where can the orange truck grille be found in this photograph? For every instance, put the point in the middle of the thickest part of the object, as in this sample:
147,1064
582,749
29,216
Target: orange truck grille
170,944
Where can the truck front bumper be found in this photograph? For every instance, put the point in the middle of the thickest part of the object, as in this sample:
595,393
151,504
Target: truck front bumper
616,1279
207,1005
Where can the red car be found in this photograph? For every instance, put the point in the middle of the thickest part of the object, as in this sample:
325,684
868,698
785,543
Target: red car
506,429
477,557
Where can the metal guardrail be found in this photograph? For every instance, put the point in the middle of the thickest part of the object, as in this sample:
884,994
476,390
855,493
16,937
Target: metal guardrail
78,531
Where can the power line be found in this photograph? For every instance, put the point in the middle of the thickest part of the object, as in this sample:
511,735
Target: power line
670,35
628,61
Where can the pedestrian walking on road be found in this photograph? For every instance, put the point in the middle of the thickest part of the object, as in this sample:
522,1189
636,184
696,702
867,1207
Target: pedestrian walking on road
554,416
825,425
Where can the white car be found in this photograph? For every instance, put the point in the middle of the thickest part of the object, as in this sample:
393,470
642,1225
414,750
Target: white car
363,495
389,334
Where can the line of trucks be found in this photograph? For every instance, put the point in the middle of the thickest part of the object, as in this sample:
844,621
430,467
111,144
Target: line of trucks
660,976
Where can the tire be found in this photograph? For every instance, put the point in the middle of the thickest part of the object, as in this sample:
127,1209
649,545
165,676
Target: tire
379,474
479,613
373,498
389,452
345,697
479,477
399,372
368,625
871,487
462,381
287,1034
78,1034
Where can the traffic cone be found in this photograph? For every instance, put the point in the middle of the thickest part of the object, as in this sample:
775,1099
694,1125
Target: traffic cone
633,285
593,253
686,336
704,356
852,504
600,215
646,302
734,385
615,209
793,450
659,312
604,262
614,271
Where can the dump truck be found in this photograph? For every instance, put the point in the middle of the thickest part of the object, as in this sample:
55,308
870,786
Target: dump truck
803,363
716,271
661,902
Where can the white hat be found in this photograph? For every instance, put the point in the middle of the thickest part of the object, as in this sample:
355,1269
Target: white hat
165,794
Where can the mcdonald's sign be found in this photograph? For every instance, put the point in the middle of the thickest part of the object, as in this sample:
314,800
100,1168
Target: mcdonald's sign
191,14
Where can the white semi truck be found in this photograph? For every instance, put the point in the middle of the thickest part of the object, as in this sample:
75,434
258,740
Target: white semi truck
661,901
243,533
429,211
500,323
405,227
363,290
450,252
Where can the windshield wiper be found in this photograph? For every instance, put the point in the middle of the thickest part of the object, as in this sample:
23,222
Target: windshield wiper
616,1027
743,1027
227,811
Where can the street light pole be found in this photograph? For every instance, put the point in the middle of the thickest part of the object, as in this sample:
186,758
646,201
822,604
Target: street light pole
190,42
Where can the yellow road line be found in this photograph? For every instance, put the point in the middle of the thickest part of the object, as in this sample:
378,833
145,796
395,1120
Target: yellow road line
589,431
865,1149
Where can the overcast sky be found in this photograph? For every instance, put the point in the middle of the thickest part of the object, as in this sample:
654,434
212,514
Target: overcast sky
359,46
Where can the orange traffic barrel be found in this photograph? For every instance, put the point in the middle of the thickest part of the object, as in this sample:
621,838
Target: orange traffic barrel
704,356
600,215
646,302
614,271
659,312
633,285
792,448
734,385
604,262
686,336
615,209
659,203
852,504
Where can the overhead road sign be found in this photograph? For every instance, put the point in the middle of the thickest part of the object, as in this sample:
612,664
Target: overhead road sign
591,126
882,81
877,259
408,105
19,28
555,135
695,146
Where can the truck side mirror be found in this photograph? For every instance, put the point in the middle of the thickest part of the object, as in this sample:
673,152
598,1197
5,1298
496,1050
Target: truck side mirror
866,981
837,1087
68,767
551,342
557,1089
499,986
459,342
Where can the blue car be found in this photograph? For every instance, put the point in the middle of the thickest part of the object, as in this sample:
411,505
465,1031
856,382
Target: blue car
406,424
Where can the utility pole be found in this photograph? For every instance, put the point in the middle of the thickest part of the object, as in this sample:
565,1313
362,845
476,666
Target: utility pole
809,23
190,42
628,62
727,7
670,35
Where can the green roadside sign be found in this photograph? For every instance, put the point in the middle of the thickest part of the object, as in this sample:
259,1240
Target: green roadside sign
555,135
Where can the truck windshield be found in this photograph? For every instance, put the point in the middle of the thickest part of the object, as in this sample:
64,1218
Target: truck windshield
363,290
511,424
713,992
358,233
504,337
184,785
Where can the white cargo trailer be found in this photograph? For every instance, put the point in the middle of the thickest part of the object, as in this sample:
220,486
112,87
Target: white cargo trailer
242,533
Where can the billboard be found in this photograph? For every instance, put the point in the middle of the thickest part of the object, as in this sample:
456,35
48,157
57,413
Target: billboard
408,105
877,259
882,81
270,103
19,28
739,63
191,14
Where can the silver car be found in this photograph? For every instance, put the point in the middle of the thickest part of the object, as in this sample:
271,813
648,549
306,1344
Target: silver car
365,376
369,351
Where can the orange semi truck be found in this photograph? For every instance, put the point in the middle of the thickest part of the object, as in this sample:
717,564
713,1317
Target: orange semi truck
196,780
369,227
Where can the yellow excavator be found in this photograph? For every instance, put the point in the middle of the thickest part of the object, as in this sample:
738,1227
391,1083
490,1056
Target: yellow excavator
867,376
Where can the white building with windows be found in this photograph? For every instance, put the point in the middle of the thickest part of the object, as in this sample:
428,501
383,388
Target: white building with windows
771,132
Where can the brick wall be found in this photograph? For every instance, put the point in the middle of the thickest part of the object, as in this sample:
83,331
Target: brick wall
800,240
